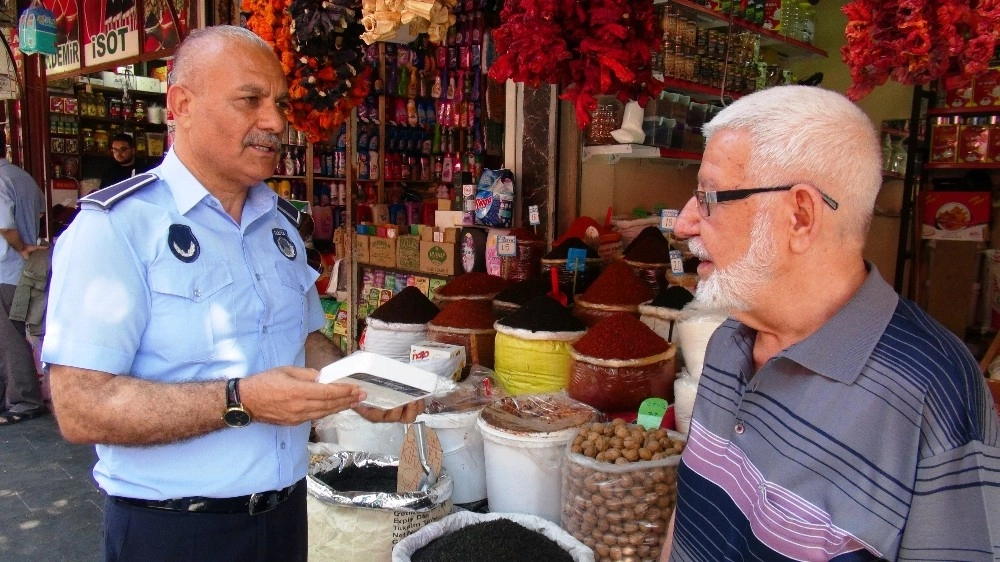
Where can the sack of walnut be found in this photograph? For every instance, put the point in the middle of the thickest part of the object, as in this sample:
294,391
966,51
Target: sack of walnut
619,487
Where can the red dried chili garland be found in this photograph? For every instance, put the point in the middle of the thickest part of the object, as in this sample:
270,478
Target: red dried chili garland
587,47
917,41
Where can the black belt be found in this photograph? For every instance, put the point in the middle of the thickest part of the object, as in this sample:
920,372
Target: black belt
253,504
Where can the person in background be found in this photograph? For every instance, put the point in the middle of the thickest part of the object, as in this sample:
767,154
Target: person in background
21,204
834,418
125,165
183,328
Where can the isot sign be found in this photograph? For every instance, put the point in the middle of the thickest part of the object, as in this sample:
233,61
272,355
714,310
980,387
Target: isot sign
110,31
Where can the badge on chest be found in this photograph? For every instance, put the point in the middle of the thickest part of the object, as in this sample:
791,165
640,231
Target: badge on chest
182,243
284,243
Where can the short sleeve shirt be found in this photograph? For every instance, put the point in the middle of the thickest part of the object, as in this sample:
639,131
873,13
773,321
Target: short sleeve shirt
165,286
21,204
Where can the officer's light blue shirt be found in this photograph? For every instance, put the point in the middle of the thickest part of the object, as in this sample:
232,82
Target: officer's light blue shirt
165,286
21,204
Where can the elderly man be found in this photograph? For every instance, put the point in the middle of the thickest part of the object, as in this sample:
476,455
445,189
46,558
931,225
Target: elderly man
183,328
834,419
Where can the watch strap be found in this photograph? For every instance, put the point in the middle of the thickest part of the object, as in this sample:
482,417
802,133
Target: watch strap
233,393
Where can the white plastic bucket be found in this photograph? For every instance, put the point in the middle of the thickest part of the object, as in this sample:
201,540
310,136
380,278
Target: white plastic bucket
523,470
463,456
355,433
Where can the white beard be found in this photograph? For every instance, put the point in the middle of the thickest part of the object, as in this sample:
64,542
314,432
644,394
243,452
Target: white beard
735,287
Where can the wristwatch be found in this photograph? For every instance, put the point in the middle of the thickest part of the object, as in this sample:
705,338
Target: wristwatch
235,415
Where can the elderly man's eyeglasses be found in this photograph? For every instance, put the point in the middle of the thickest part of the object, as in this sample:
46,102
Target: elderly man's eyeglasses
707,198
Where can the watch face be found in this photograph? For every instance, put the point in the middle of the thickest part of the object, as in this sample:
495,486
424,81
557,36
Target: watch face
236,417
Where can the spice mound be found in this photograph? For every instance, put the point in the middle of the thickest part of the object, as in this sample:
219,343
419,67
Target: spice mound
543,314
361,479
618,284
499,540
523,291
408,306
649,246
561,251
466,314
473,284
675,297
620,336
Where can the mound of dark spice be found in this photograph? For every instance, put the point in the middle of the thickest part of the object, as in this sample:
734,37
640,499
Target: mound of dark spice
469,314
618,284
474,283
620,336
674,296
650,246
499,540
691,264
523,291
561,251
355,478
543,314
408,306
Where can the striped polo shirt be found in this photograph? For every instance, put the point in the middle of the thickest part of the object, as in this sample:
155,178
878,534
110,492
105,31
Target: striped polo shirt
874,438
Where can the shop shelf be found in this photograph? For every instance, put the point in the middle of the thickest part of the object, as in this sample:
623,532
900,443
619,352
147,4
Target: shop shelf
702,92
962,166
618,151
943,111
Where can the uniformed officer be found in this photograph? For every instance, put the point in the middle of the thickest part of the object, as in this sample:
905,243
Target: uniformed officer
182,328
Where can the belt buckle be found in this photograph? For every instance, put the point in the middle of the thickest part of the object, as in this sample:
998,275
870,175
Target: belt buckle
263,502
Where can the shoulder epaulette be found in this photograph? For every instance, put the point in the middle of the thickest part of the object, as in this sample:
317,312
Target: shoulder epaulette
290,212
108,197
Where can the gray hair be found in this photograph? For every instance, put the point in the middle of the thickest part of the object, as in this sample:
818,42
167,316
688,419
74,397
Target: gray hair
810,135
189,58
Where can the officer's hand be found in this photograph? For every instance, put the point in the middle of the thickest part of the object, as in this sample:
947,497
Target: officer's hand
291,395
405,414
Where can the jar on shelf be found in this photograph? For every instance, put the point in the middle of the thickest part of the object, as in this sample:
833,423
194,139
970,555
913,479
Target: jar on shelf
140,110
89,141
140,141
115,108
101,138
100,106
128,109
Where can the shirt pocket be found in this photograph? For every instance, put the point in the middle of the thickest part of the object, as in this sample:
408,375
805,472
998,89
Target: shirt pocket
292,306
191,311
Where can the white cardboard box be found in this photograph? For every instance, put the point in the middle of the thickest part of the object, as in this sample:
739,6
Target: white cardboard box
387,383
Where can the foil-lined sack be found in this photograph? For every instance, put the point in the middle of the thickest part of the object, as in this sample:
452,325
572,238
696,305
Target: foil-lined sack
353,506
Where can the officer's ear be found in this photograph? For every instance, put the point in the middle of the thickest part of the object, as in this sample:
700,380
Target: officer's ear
179,103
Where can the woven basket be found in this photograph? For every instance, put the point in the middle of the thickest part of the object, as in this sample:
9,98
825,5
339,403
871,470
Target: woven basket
592,269
630,228
654,275
591,313
526,264
442,301
687,280
479,344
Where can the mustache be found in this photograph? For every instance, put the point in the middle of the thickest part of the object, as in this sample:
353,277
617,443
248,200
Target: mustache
697,247
266,139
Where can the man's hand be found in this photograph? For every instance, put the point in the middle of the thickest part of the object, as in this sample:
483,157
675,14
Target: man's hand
29,249
404,414
291,395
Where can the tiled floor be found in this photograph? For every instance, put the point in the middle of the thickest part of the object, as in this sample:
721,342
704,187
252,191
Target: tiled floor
50,507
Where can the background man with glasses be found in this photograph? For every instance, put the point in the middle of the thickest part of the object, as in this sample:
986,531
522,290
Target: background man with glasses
834,419
125,165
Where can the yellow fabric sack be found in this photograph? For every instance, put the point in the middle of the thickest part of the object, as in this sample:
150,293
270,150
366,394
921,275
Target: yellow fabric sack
532,366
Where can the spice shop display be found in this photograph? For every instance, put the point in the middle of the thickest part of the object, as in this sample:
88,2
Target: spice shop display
399,323
468,323
532,347
474,285
491,537
352,506
619,489
649,255
573,283
512,298
526,263
664,312
695,330
617,289
619,363
525,439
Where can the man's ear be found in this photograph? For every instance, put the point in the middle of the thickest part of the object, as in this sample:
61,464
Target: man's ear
807,218
179,104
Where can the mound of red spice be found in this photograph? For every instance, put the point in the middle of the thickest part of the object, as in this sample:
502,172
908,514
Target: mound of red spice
617,284
620,336
469,314
408,306
649,246
473,284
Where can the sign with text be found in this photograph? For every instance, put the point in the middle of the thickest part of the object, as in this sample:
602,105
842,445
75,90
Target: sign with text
110,30
67,56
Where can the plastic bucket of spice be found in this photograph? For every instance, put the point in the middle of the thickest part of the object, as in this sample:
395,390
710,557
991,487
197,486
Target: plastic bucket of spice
619,363
352,506
462,447
532,347
591,313
484,537
524,442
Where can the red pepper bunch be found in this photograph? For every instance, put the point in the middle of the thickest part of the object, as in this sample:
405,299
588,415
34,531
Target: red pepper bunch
917,41
587,47
319,47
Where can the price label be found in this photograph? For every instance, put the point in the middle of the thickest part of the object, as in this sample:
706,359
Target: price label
506,245
576,259
651,412
667,219
534,218
676,262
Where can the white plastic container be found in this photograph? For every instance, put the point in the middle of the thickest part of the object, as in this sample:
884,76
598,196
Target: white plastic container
695,332
351,432
523,470
463,456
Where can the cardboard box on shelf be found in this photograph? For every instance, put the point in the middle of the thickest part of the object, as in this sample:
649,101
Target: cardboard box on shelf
361,254
447,219
438,258
408,253
382,251
956,215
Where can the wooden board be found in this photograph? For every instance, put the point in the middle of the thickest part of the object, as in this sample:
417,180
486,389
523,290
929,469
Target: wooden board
410,472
